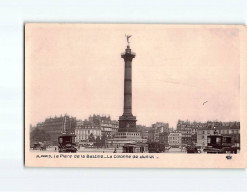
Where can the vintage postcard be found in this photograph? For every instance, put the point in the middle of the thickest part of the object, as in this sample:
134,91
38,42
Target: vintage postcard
135,95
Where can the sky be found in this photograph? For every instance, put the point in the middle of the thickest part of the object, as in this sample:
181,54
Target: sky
77,69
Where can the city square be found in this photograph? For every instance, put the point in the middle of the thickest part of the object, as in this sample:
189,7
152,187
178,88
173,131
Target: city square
101,134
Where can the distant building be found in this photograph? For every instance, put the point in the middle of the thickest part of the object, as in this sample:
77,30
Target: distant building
79,123
143,130
115,126
163,138
159,127
185,128
193,125
202,134
186,135
233,130
194,138
108,127
175,139
196,132
96,125
151,135
182,124
55,126
83,132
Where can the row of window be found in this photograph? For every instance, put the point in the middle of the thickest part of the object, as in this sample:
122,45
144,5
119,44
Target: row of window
221,132
87,132
186,135
81,138
173,138
88,127
133,134
106,129
174,142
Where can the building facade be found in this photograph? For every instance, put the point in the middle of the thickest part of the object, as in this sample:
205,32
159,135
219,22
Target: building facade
186,136
193,138
159,127
143,130
114,127
151,135
55,126
86,132
163,138
175,139
232,130
108,127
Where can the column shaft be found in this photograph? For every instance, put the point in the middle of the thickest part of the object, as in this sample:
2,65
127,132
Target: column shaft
128,88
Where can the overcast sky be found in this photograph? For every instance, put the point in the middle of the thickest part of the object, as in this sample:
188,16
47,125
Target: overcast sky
78,70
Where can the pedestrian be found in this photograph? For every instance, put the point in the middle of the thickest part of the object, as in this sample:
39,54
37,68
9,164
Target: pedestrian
55,148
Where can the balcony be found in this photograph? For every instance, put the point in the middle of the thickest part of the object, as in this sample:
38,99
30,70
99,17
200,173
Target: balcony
133,53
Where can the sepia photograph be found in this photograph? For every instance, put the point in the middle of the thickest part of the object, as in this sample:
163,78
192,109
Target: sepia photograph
115,95
123,96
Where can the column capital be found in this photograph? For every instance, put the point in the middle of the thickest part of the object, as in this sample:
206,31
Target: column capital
128,55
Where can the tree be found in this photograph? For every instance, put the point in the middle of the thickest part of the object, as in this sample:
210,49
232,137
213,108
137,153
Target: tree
98,142
103,139
91,138
38,135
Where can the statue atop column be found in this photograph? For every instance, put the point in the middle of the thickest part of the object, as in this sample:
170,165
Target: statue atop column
127,37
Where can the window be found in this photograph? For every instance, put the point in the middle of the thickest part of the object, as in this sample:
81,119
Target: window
218,140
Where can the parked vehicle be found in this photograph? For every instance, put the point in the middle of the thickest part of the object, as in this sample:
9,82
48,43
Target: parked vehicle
192,149
39,146
156,147
66,143
220,144
133,148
